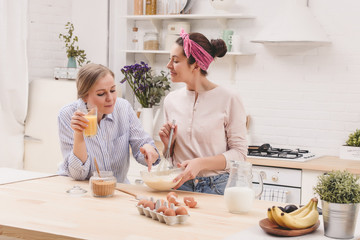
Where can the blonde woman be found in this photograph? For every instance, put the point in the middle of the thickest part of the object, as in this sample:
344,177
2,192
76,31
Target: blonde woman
118,127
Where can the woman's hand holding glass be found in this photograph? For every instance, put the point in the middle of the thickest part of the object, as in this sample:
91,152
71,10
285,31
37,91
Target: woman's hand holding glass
85,121
78,121
150,154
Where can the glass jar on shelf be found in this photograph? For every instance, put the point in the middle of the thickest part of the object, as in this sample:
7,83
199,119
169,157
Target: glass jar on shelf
138,7
161,7
135,39
151,41
150,7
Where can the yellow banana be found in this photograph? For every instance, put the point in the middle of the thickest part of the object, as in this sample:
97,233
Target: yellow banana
295,222
276,213
303,210
270,216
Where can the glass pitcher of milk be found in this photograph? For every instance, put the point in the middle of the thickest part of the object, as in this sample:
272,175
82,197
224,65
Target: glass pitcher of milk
239,193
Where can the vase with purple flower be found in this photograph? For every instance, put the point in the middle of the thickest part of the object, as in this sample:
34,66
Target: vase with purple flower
148,88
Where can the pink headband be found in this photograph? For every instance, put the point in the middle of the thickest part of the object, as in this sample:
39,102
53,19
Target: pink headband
202,57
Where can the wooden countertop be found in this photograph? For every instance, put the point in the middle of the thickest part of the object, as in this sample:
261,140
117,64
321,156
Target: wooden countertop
324,163
41,209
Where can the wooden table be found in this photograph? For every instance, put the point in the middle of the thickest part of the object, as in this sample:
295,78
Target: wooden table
41,209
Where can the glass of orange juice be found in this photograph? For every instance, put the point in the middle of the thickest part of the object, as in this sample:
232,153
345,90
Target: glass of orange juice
91,116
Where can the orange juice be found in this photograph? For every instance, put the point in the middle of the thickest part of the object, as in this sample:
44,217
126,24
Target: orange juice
91,129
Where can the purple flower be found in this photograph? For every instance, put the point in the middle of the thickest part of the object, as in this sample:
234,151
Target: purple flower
147,88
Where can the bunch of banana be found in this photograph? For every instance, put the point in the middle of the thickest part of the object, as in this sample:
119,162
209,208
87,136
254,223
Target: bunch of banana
303,217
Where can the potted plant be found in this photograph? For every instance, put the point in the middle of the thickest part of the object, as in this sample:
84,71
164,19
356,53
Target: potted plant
339,192
352,148
74,53
148,89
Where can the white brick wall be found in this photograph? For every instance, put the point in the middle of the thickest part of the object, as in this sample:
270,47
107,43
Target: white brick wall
47,19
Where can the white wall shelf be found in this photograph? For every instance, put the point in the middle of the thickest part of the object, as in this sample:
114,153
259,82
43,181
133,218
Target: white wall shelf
156,19
148,51
168,52
188,16
150,55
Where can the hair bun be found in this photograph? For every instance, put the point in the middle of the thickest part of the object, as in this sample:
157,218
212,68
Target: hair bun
219,48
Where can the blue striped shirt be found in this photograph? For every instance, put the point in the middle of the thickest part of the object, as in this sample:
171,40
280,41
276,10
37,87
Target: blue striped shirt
110,146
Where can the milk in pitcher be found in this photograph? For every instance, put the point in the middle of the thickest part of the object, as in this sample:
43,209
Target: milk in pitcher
239,199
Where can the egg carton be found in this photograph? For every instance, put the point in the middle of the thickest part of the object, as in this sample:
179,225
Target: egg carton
169,220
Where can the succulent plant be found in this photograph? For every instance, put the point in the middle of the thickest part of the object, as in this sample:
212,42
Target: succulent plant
354,139
338,187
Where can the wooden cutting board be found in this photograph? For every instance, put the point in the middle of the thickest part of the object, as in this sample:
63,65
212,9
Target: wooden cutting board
275,229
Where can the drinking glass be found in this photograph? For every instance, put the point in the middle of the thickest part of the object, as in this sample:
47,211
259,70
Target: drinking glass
91,116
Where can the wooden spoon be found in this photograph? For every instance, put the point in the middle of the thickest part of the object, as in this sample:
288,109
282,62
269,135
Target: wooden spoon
132,194
97,167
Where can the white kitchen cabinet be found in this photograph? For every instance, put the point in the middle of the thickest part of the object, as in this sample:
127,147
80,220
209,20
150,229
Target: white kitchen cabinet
278,181
309,180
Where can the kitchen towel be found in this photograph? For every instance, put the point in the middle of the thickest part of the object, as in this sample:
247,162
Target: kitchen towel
275,195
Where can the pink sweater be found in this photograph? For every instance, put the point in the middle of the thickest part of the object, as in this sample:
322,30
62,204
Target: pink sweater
214,124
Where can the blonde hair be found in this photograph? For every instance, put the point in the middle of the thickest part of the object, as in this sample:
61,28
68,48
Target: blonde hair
87,77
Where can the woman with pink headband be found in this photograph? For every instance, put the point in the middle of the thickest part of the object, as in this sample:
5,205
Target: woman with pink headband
210,128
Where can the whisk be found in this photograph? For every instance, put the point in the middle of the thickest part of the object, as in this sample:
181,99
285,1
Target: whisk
164,161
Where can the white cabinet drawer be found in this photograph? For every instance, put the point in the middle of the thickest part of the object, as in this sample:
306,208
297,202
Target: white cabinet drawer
280,176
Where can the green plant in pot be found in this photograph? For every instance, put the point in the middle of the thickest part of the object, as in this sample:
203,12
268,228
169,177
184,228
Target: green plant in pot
74,53
354,139
351,150
339,192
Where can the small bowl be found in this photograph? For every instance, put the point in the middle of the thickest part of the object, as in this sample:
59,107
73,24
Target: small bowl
161,180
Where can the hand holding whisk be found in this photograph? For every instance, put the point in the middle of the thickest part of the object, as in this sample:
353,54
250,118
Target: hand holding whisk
164,161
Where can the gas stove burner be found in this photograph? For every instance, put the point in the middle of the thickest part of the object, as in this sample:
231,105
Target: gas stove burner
266,150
